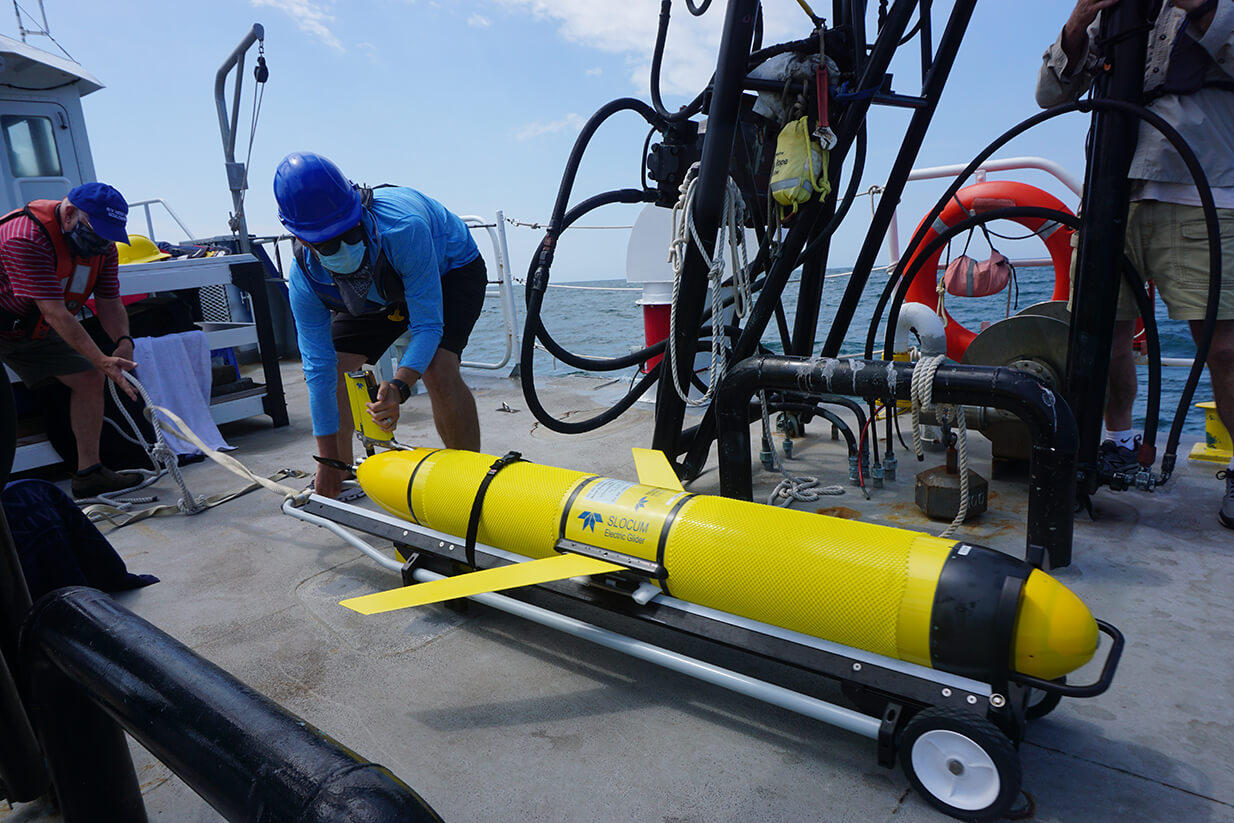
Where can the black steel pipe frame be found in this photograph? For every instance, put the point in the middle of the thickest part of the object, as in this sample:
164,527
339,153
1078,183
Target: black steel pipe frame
96,666
848,130
21,761
932,87
1051,489
722,114
1099,254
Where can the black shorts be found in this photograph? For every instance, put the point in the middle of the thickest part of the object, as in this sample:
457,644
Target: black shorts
39,361
462,295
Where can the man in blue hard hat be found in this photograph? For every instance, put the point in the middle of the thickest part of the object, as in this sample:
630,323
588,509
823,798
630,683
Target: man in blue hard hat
53,255
369,266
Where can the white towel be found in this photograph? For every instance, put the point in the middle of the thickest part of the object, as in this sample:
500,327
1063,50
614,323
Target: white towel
175,371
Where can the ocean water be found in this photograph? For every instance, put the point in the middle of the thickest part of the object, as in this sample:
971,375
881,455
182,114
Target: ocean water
602,319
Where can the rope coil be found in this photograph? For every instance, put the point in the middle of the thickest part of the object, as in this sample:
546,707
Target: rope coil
802,488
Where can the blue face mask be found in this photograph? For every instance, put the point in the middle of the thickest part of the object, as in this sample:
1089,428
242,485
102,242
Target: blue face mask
346,260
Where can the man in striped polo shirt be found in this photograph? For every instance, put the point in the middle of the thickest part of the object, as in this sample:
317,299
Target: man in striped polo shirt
53,255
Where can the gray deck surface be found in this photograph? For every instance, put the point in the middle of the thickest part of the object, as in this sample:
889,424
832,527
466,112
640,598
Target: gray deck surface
492,718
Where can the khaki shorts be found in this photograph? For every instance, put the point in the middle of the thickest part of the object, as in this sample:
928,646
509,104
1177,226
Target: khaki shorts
39,361
1168,243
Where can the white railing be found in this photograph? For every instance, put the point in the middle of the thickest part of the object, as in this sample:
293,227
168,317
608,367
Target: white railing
146,204
505,288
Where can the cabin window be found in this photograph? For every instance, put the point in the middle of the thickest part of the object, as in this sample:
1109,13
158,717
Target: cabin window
31,145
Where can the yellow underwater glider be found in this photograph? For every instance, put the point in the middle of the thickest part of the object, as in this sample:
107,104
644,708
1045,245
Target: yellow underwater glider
893,592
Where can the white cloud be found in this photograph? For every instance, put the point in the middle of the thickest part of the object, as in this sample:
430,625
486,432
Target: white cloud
370,51
628,29
479,21
312,17
594,72
572,122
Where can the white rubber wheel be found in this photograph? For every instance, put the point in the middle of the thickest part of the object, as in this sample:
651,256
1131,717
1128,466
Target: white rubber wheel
961,763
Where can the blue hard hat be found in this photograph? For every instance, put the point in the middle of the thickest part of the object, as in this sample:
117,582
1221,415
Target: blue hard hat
316,201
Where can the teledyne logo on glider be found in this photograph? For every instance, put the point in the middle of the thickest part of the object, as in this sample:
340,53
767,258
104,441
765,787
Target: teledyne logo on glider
590,519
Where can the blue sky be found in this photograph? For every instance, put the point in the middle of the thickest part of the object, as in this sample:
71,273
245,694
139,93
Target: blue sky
478,103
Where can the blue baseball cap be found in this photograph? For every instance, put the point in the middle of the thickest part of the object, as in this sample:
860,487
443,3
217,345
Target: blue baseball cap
106,209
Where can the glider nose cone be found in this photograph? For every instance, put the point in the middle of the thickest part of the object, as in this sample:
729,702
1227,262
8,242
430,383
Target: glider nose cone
385,477
1055,632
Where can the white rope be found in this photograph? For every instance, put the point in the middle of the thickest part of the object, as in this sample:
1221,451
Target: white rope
161,454
118,511
923,399
801,488
730,232
179,428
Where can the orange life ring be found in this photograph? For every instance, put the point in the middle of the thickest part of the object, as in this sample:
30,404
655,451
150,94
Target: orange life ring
982,197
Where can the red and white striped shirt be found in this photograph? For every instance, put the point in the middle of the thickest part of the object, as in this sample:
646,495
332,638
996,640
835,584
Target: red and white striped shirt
28,268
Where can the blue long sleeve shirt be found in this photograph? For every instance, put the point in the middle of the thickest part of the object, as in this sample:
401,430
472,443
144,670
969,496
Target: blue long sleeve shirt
422,240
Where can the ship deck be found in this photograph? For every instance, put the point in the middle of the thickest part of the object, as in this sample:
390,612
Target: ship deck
492,718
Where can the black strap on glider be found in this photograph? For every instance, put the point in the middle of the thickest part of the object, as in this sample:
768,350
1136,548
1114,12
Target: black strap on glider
473,522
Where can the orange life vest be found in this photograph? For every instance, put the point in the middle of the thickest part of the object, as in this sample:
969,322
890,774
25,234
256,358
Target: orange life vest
77,274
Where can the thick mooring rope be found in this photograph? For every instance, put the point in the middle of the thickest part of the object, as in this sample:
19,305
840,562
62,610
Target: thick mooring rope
923,399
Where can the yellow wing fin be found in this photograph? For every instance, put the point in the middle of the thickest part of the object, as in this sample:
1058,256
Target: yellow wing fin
529,573
655,470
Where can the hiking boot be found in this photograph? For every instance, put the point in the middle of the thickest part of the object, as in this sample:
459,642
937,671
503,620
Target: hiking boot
1226,513
98,479
1114,459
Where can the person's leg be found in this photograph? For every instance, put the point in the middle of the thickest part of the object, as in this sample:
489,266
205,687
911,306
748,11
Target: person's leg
1221,373
454,406
85,413
1220,367
346,425
1123,382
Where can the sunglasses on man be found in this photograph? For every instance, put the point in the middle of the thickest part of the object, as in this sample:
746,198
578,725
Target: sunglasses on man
328,247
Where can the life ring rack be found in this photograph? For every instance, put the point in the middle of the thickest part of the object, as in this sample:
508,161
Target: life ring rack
983,197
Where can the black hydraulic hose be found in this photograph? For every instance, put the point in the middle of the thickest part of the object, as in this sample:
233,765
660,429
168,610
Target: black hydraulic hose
590,424
847,402
657,58
1210,222
247,756
757,57
534,329
817,410
533,326
1145,306
805,45
580,147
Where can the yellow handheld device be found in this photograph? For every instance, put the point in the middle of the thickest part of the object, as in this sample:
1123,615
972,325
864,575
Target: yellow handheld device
361,390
